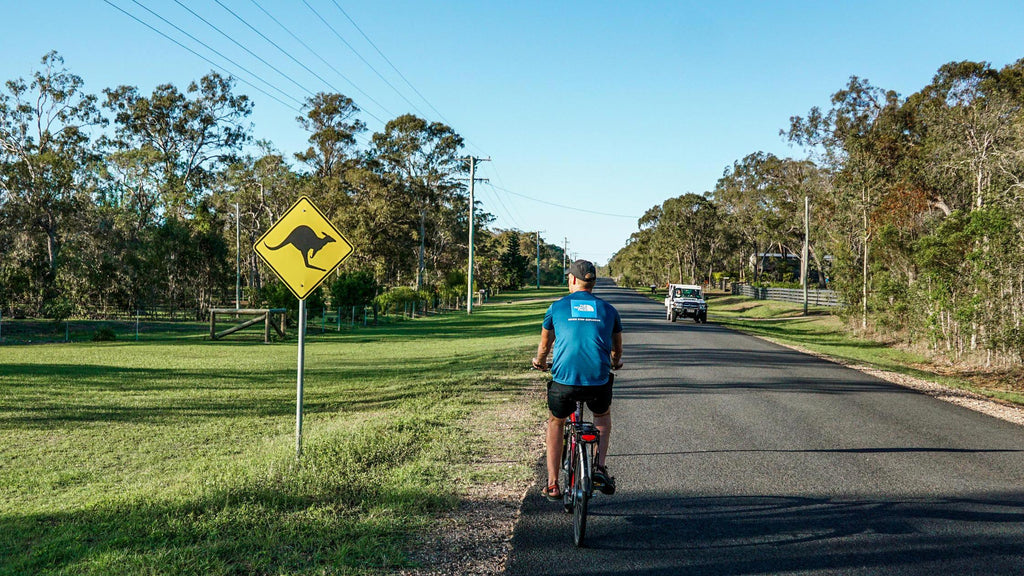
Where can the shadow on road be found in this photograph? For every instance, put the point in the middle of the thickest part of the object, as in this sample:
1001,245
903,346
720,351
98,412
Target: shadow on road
732,535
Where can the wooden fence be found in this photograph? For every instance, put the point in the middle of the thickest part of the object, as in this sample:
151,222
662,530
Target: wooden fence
814,297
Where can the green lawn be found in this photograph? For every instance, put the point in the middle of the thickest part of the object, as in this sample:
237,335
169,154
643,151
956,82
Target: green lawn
176,455
529,293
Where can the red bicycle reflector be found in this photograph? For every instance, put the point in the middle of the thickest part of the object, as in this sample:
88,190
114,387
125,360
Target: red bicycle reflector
589,437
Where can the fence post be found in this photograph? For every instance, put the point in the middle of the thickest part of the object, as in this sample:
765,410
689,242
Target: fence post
67,331
136,325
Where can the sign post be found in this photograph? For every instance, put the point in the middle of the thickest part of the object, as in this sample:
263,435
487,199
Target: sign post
302,248
298,385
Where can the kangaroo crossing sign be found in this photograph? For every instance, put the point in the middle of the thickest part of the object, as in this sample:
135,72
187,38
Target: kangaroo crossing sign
303,248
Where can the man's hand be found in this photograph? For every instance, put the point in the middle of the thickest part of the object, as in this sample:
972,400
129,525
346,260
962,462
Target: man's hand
539,365
616,365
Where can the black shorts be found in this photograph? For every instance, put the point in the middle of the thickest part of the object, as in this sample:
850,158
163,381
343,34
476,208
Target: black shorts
562,399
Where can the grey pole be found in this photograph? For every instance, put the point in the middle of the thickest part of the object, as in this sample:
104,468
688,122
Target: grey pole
469,280
565,254
538,260
803,259
238,259
469,273
298,392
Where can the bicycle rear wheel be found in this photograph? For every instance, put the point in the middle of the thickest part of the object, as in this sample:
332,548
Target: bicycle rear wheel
581,493
567,477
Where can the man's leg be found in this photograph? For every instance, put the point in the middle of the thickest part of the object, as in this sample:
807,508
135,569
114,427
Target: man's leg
554,441
603,422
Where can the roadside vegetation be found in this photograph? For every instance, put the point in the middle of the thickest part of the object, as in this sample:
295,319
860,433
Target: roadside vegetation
824,332
127,201
915,216
177,455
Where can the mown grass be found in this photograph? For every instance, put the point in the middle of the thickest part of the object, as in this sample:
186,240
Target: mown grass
176,456
529,293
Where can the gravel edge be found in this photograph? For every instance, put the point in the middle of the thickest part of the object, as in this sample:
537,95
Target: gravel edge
475,538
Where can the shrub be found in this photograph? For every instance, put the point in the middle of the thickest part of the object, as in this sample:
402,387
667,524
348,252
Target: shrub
353,289
105,334
397,298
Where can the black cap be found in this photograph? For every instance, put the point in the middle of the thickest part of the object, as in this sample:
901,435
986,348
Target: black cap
583,270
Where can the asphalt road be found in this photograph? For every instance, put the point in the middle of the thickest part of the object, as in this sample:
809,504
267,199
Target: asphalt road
736,456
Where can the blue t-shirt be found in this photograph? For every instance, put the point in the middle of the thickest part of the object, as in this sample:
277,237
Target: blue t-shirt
583,325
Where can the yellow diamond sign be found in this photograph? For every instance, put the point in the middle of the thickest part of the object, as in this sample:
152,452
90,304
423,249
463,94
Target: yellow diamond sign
303,248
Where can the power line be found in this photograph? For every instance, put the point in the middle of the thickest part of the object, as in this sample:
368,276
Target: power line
504,211
360,56
211,62
568,207
286,53
328,64
501,202
274,44
386,59
501,182
402,76
239,44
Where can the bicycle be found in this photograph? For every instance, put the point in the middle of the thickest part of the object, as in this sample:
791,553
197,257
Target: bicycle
580,453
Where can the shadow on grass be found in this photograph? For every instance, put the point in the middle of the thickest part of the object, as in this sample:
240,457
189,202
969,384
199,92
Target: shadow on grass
352,503
253,530
46,396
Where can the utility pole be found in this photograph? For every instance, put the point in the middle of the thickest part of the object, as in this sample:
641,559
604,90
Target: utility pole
472,180
565,254
238,259
538,260
803,257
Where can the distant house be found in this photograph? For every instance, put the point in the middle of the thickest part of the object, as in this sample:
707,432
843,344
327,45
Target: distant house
777,265
772,262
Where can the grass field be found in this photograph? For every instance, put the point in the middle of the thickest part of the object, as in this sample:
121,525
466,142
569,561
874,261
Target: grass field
531,293
177,455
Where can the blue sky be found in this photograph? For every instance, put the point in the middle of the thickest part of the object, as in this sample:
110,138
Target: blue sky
602,106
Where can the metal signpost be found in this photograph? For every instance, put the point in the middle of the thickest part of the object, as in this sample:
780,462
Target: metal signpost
302,248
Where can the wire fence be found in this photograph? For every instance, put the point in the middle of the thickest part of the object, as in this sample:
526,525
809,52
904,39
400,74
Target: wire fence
163,323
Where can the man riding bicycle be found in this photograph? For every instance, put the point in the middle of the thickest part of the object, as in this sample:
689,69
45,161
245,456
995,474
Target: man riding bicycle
586,333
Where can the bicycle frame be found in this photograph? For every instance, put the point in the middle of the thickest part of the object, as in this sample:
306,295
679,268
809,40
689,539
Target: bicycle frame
580,452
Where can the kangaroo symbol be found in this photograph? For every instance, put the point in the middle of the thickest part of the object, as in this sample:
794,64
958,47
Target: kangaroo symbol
305,240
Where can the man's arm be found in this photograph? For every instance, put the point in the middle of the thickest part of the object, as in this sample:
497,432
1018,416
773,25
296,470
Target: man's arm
547,338
617,350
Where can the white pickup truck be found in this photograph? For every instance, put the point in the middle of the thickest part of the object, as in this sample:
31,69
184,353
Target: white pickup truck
685,300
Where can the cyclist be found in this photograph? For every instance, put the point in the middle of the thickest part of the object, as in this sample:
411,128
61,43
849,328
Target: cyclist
586,333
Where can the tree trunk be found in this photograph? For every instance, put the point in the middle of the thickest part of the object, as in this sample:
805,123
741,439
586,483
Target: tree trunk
817,262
